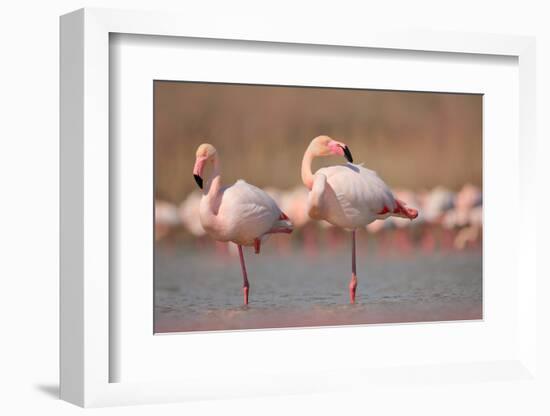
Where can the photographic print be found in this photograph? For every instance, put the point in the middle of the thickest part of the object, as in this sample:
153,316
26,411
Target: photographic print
288,206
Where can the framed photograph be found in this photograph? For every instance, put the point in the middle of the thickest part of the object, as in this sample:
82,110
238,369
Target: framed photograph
409,254
262,212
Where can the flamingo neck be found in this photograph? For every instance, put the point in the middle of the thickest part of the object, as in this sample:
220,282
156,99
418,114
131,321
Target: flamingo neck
307,176
212,189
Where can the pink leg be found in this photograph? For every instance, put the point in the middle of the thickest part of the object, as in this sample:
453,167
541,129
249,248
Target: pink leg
246,286
353,281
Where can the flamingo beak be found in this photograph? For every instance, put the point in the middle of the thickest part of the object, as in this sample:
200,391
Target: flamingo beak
198,179
347,154
197,170
340,149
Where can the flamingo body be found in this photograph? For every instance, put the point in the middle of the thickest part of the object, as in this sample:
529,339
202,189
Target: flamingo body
351,196
245,214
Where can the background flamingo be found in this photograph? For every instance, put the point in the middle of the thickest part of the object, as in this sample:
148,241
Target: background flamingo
402,232
188,212
466,216
166,218
240,213
348,196
282,243
435,204
294,204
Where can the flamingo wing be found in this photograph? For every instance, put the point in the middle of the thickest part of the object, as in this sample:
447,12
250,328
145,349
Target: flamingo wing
360,194
248,212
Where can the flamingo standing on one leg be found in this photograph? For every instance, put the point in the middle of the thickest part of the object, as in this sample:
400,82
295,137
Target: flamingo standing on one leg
348,196
240,213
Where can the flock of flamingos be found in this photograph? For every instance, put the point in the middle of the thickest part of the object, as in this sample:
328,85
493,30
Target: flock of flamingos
340,197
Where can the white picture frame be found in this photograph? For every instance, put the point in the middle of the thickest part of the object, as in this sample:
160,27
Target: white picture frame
86,356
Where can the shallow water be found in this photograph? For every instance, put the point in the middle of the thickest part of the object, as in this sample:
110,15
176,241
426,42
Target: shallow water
201,290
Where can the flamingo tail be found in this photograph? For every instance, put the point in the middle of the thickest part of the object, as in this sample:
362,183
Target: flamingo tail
401,210
282,225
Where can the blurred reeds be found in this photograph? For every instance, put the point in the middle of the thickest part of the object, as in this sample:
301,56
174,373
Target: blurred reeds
414,140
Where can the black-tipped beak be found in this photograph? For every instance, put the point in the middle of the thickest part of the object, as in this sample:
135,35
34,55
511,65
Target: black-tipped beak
347,154
198,179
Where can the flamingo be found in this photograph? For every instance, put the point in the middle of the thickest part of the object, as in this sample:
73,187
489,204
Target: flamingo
466,216
470,234
166,218
241,213
294,204
348,196
435,204
402,234
188,212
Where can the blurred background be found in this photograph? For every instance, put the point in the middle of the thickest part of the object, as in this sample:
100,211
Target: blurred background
414,140
426,146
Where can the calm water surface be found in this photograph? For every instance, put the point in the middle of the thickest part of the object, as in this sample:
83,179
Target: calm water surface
200,290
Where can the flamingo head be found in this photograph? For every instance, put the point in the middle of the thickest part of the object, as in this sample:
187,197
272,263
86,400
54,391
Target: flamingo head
205,153
325,146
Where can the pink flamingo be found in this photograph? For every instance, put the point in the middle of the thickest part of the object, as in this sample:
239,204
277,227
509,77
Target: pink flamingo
471,233
402,233
188,212
240,213
466,216
294,204
435,204
166,218
348,196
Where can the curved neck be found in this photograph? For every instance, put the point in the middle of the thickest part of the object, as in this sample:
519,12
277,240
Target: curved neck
307,176
212,188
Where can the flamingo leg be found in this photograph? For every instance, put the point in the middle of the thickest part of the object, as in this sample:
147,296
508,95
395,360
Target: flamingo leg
353,281
246,286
